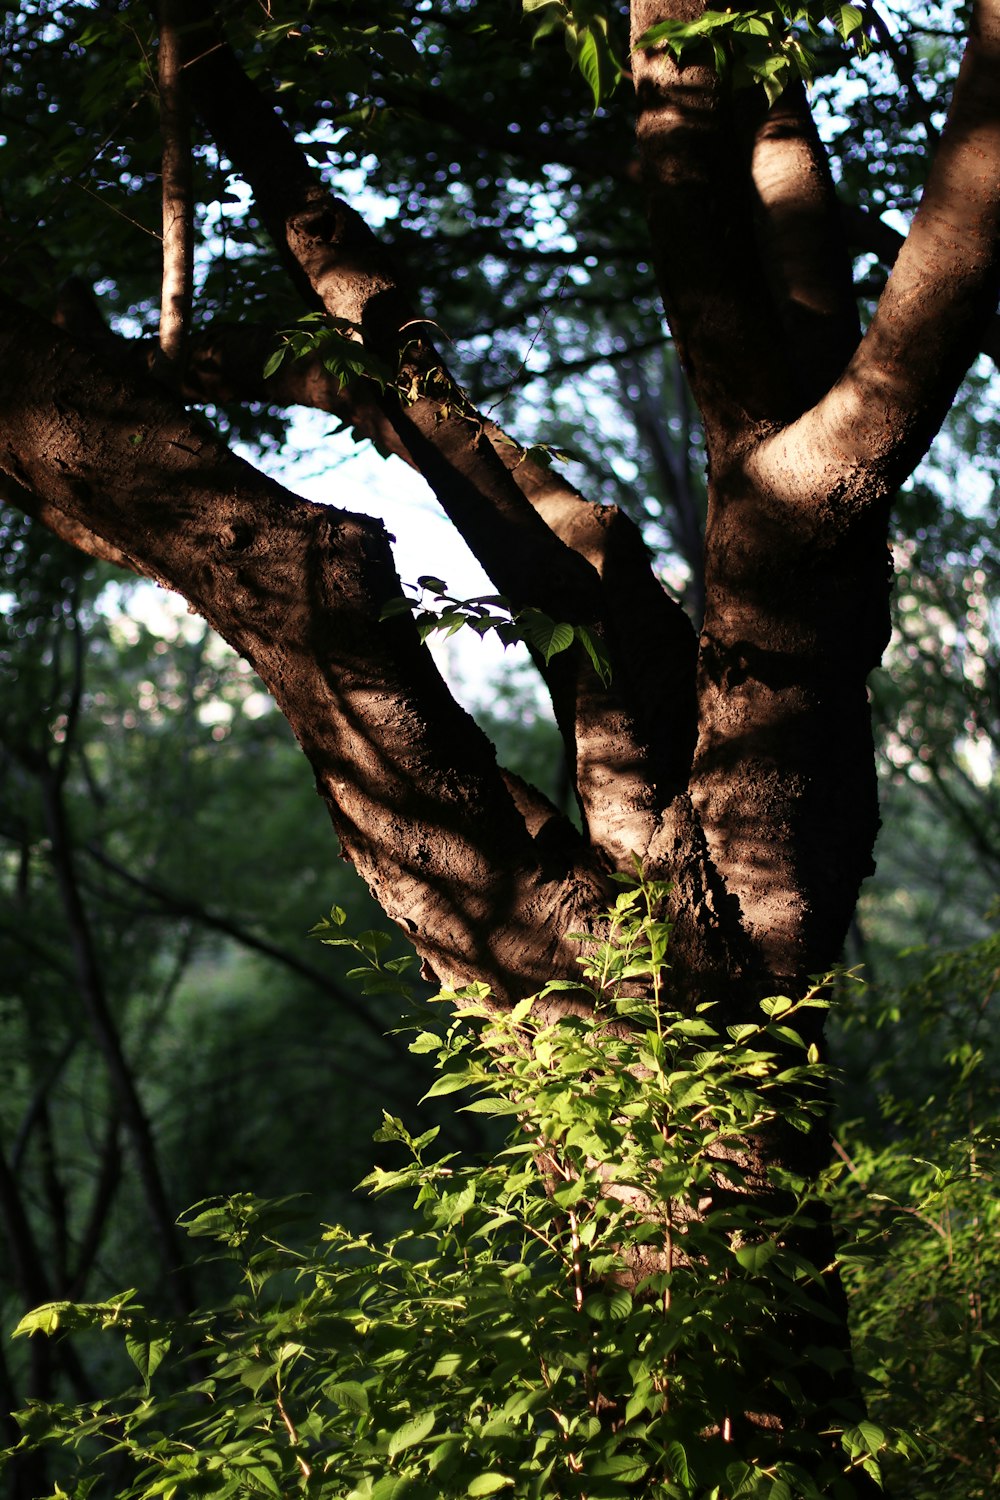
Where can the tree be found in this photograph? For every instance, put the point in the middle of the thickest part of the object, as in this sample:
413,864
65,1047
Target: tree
736,763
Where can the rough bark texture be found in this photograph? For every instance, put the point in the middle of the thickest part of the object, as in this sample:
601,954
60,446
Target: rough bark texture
738,763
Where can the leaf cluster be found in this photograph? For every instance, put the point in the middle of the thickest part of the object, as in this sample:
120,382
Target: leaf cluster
596,1307
494,612
921,1208
764,45
340,350
584,25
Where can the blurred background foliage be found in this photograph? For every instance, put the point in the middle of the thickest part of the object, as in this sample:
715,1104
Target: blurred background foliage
167,1031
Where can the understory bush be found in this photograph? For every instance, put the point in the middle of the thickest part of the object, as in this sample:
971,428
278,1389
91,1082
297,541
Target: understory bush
592,1311
918,1199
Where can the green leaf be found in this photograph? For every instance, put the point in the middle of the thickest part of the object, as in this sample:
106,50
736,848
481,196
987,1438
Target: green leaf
349,1394
594,647
446,1365
865,1438
846,19
454,1206
595,60
412,1432
427,1041
754,1258
68,1316
146,1354
450,1083
627,1468
400,605
399,52
45,1319
492,1106
547,636
521,1009
396,1487
487,1484
677,1460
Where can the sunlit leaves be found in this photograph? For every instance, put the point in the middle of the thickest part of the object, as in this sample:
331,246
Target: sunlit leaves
340,350
585,27
493,612
473,1354
765,45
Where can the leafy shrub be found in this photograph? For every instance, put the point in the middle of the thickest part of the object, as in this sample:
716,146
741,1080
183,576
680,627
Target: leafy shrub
920,1201
592,1312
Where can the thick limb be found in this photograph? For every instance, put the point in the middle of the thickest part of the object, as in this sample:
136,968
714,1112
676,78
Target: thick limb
412,785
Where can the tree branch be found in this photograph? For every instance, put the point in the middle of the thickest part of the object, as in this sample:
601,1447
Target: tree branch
106,1035
802,244
449,441
646,749
880,417
109,1178
869,234
182,905
34,1288
67,528
700,213
298,589
178,193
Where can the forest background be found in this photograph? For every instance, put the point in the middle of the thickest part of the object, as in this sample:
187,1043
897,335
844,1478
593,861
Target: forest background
167,1030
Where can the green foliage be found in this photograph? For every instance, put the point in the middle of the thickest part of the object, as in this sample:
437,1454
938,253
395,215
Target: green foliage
585,27
488,612
765,45
339,349
751,44
151,739
923,1179
591,1309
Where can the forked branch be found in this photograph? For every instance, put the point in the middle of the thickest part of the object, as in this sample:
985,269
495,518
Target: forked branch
881,416
803,246
411,783
540,543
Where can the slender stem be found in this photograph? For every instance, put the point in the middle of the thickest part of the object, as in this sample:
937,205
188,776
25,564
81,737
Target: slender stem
178,194
574,1240
106,1034
293,1436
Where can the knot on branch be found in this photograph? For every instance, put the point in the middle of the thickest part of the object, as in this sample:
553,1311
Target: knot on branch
236,536
323,220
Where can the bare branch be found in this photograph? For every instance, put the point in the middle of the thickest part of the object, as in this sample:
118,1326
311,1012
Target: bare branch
95,1001
298,589
177,904
109,1176
457,451
881,415
33,1286
178,193
868,233
803,246
67,528
700,211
